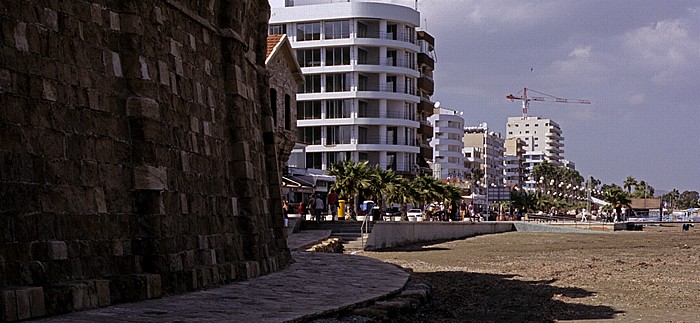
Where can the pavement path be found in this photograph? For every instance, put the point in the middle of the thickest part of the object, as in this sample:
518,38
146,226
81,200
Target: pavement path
314,284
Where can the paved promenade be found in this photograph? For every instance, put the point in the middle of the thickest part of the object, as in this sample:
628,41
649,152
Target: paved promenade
315,284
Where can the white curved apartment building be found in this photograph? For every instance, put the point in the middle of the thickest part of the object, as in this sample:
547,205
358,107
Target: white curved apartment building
359,63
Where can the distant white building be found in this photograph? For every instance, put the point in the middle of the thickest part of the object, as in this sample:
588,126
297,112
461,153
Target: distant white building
448,159
513,159
480,141
542,139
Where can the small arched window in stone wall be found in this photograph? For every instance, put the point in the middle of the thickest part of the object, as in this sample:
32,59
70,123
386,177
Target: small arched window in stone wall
287,112
273,104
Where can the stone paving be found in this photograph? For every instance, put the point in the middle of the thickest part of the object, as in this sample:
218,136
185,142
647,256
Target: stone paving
315,284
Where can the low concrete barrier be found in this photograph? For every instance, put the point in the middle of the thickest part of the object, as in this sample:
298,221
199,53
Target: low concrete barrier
393,234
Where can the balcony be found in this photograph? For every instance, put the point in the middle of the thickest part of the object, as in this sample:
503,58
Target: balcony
407,38
426,84
425,107
388,62
425,59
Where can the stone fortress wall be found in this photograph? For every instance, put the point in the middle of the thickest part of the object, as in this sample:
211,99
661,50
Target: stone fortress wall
137,153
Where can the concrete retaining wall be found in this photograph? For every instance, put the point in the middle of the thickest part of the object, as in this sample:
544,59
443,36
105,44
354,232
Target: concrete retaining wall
392,234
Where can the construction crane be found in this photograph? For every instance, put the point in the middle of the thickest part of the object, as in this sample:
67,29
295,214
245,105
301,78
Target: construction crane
545,97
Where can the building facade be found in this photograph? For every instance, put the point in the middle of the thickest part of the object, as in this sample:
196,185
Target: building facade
448,158
513,159
426,86
285,78
543,141
490,145
360,96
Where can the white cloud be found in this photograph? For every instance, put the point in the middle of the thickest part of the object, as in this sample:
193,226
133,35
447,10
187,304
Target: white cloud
661,50
581,52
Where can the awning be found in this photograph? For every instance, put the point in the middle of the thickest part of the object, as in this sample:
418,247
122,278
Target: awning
296,184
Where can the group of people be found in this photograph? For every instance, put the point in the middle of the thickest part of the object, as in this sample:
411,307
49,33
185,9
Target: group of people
461,211
314,206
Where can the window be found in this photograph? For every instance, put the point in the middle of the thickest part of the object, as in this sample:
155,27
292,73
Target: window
337,83
364,156
337,109
287,112
309,57
308,110
310,135
537,124
273,105
362,135
391,31
278,29
313,160
410,33
337,135
391,57
309,31
362,83
391,160
528,131
363,110
410,60
510,132
312,84
337,29
391,136
337,56
410,86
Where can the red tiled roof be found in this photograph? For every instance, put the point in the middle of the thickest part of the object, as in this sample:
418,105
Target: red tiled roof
272,41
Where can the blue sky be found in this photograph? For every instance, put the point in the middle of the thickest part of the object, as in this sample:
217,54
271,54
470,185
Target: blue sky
637,61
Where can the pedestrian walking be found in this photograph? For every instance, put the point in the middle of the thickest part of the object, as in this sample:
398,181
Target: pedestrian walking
318,207
333,204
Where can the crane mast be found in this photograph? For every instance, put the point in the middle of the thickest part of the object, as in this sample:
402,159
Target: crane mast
545,98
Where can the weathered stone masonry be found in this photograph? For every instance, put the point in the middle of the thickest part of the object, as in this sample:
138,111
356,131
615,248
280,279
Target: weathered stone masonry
137,152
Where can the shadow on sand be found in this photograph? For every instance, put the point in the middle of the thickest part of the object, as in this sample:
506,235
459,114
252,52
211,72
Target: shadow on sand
475,297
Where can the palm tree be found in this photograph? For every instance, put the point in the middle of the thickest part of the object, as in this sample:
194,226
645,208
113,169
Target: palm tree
402,193
629,182
351,179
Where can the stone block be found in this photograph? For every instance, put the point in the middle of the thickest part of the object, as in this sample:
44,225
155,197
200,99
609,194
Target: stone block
102,292
234,206
57,250
150,178
153,289
49,91
20,36
117,248
116,65
194,124
163,73
49,18
36,301
8,305
96,14
158,15
183,204
114,21
24,309
131,24
144,68
142,107
100,200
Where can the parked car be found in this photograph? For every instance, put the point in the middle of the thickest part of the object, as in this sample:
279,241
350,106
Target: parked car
415,215
392,214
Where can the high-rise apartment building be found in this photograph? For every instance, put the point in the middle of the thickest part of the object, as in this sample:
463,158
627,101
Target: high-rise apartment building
543,142
489,144
447,144
513,159
360,98
426,86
